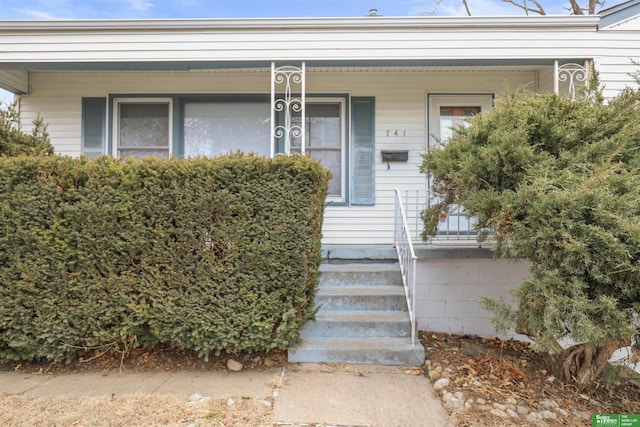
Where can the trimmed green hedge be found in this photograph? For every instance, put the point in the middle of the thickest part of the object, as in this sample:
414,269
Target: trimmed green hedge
204,254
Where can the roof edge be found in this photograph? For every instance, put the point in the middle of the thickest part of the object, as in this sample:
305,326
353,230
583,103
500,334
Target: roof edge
380,22
619,13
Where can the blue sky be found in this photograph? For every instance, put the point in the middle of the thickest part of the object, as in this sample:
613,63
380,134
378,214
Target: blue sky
125,9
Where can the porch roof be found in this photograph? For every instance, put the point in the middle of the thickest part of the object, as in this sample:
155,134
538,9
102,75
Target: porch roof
222,44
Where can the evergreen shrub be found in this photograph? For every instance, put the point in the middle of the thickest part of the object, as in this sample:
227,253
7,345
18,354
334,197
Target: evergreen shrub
14,142
558,180
204,254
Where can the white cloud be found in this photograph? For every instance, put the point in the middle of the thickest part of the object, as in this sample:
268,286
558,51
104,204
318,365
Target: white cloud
36,14
142,5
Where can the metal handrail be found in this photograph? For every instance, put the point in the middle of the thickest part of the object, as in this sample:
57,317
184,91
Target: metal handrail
455,227
407,259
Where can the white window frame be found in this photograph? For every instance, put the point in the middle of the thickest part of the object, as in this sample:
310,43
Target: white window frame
342,198
436,101
133,100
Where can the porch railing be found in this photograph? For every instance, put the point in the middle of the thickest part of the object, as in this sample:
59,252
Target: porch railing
407,258
453,227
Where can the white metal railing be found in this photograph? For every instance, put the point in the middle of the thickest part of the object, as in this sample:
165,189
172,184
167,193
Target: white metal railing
407,258
455,226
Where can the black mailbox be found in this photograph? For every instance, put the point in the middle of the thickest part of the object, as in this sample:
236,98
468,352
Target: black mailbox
395,156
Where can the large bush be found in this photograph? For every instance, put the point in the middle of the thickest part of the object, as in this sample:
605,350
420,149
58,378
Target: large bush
203,254
559,182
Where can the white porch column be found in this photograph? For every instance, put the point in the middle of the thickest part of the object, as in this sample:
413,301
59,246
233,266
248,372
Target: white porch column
572,74
288,107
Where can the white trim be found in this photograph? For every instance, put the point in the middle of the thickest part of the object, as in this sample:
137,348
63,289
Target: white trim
256,24
272,137
437,100
140,100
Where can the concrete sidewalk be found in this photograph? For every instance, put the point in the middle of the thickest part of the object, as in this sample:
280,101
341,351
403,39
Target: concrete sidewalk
302,394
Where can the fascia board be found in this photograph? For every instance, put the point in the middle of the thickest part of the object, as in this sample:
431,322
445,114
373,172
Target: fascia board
471,23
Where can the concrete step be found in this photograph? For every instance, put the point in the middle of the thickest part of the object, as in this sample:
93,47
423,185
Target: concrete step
386,274
332,323
380,297
362,318
380,351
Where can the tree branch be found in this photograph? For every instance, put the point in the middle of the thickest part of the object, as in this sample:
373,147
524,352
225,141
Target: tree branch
593,4
435,7
538,7
466,6
539,10
576,9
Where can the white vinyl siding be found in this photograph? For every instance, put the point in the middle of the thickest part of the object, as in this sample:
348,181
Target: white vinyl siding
614,62
63,115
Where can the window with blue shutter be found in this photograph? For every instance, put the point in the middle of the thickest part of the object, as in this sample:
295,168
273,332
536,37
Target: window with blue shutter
350,157
93,126
362,151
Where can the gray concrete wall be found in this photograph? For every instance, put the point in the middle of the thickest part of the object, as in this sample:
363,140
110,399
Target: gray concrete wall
448,291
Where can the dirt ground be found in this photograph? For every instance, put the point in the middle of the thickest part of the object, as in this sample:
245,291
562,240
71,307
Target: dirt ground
490,369
158,359
501,371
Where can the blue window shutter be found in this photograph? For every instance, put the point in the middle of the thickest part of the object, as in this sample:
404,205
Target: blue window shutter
93,126
363,150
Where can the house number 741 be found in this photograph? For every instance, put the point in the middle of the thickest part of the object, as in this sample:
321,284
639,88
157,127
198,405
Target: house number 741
396,132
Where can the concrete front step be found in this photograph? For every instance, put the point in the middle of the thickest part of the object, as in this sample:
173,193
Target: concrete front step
360,274
362,318
358,324
381,297
381,351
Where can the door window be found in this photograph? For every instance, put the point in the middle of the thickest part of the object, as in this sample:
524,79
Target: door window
447,113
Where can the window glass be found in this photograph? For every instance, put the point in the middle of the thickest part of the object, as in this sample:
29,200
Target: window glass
143,129
452,118
216,128
324,140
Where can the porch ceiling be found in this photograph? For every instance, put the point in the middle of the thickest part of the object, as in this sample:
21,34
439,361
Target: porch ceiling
395,65
15,77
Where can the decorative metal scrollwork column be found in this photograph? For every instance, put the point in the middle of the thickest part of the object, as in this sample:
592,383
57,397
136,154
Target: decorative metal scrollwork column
571,73
287,108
